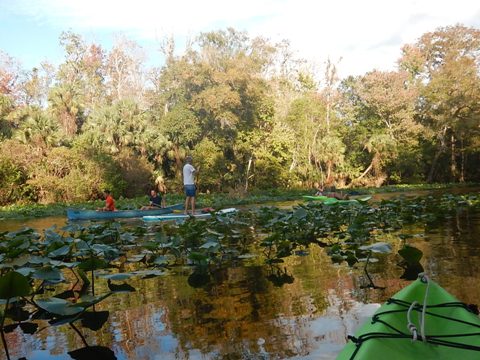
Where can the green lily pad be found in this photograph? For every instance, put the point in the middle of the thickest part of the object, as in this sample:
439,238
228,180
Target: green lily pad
380,247
89,300
209,245
25,271
117,277
14,284
59,306
161,260
93,264
124,287
48,273
410,254
62,251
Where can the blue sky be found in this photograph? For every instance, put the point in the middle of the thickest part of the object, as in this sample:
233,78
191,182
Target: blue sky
357,35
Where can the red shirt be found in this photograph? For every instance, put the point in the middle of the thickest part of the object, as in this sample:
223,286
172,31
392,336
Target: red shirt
110,203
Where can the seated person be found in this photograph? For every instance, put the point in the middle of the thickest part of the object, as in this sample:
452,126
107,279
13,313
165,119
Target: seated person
319,190
155,201
330,192
109,202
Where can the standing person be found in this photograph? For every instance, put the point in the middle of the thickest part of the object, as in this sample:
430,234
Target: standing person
109,202
189,184
162,189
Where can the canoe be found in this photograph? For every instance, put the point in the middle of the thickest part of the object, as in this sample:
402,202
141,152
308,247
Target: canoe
76,214
329,200
198,215
315,197
359,200
450,329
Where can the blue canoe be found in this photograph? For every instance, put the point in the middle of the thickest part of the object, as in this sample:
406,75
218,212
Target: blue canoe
76,214
198,215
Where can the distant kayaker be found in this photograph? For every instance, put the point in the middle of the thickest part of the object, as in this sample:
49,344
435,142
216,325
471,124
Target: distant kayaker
319,190
155,201
330,192
189,184
109,202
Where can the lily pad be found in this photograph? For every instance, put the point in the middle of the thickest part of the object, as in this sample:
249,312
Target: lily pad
62,251
117,277
94,320
14,284
93,352
59,306
380,247
410,254
48,273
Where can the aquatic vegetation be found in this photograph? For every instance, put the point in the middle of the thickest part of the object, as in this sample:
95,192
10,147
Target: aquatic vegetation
53,275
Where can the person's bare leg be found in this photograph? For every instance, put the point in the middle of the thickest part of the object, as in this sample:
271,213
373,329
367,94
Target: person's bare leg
193,205
186,205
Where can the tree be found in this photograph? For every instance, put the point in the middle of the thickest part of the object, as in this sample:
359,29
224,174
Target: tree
379,111
120,126
319,152
124,71
6,107
446,65
35,86
37,128
219,87
80,83
65,106
9,75
181,127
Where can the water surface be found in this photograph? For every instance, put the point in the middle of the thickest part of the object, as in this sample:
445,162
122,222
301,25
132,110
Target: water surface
302,309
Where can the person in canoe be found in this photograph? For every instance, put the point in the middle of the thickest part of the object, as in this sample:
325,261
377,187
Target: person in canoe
329,192
109,202
155,201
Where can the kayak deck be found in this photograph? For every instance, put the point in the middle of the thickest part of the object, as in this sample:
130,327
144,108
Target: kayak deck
451,330
198,215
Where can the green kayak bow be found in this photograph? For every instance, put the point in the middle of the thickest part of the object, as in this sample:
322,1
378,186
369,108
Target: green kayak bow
422,321
330,200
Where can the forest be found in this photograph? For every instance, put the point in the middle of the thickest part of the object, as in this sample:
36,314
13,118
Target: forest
252,114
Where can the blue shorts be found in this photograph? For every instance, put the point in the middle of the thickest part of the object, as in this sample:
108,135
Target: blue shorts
190,190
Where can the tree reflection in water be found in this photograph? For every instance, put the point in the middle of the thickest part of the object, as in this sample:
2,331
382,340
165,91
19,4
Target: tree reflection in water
302,308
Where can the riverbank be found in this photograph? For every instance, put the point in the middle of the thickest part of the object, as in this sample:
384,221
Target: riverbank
215,200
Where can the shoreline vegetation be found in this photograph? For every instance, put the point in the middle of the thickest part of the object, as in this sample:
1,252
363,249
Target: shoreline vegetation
253,115
215,200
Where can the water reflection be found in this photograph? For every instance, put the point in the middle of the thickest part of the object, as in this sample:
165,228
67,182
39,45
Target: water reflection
238,313
37,224
302,309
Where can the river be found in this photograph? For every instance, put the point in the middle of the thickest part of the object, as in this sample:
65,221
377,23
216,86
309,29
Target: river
302,309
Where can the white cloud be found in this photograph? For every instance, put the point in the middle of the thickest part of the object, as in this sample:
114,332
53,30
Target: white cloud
367,34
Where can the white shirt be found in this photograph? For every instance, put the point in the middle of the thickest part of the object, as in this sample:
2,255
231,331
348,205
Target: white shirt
188,171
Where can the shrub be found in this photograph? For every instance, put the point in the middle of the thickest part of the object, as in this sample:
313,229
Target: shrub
13,187
136,172
69,175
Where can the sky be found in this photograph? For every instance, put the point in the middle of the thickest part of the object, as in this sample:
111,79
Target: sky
356,35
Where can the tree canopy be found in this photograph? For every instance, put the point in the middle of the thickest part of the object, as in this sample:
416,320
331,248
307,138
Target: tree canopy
252,114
